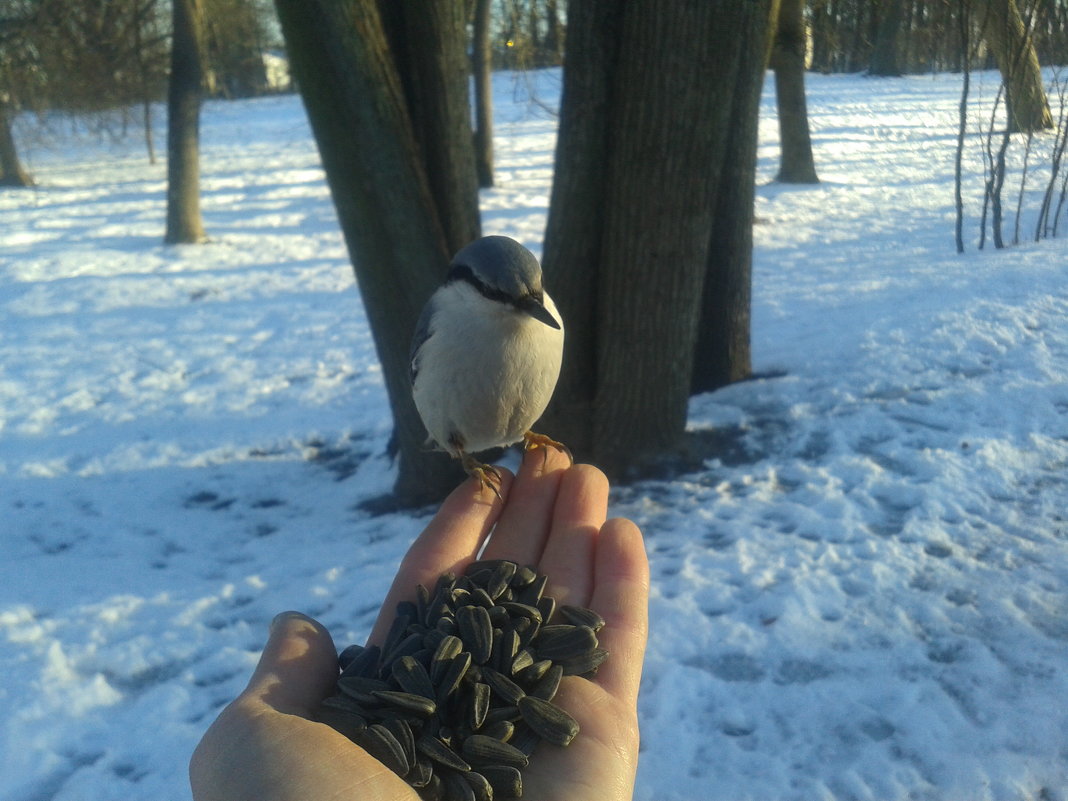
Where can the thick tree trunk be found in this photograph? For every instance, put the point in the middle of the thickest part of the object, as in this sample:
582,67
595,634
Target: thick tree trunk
884,55
184,222
482,68
796,165
722,350
428,43
379,181
1014,50
11,172
642,153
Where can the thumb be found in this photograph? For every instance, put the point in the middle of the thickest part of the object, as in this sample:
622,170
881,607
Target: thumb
298,667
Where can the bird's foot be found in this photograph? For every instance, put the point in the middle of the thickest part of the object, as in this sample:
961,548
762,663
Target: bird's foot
487,474
532,441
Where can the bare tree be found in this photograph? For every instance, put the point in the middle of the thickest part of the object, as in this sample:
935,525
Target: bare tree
184,223
649,183
788,60
1009,38
884,55
482,67
388,164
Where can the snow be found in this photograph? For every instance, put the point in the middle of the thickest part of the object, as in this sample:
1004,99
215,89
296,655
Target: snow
863,596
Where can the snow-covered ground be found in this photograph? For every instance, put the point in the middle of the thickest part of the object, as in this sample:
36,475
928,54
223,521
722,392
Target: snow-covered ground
865,596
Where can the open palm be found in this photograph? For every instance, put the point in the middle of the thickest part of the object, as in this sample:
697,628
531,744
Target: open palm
266,746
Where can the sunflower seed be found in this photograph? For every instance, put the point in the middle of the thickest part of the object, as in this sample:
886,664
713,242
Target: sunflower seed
532,592
506,781
435,749
482,750
420,773
380,743
523,576
546,605
501,730
565,644
549,721
528,611
362,663
521,661
456,789
581,616
406,703
532,673
476,631
452,677
344,722
506,689
581,664
397,631
448,649
483,790
480,704
499,580
403,734
412,677
548,684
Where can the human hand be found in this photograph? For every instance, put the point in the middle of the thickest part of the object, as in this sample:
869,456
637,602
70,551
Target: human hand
267,746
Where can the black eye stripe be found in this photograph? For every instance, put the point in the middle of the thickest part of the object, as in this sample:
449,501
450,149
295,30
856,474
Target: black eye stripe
461,272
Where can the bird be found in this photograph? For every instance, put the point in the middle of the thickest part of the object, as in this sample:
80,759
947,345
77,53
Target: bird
486,355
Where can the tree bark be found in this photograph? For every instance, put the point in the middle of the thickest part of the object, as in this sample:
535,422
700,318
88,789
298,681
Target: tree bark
184,223
392,223
643,150
427,40
1005,32
11,171
884,55
796,164
482,68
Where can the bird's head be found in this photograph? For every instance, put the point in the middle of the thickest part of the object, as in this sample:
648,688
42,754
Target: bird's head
501,269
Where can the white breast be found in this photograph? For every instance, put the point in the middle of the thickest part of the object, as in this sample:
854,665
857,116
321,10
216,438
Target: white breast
487,371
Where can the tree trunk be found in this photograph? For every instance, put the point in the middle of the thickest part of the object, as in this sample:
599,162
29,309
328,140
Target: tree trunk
184,223
482,68
796,164
1014,50
884,55
722,350
428,43
645,138
378,177
11,172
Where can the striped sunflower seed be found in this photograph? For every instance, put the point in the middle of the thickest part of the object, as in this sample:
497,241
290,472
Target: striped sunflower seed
581,616
482,750
380,743
434,749
476,631
506,781
550,722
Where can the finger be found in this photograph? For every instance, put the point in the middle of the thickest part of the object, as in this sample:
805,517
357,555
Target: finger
450,541
621,597
298,667
580,511
524,524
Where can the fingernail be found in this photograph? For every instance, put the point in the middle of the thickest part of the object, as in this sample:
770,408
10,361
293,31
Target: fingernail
284,617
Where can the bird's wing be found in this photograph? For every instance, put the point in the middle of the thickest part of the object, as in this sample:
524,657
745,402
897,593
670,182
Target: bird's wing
423,332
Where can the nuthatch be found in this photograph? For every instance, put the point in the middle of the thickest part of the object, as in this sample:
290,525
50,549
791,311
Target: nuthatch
486,354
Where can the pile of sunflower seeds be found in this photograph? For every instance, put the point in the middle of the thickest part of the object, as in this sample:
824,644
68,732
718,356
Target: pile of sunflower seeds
460,693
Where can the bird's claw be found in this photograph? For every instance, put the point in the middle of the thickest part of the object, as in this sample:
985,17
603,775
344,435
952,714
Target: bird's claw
487,474
532,440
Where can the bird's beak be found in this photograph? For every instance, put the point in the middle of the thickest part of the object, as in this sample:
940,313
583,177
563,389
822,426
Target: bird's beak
535,308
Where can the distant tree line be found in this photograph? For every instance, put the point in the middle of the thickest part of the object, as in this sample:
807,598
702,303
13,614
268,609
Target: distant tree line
88,56
895,37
